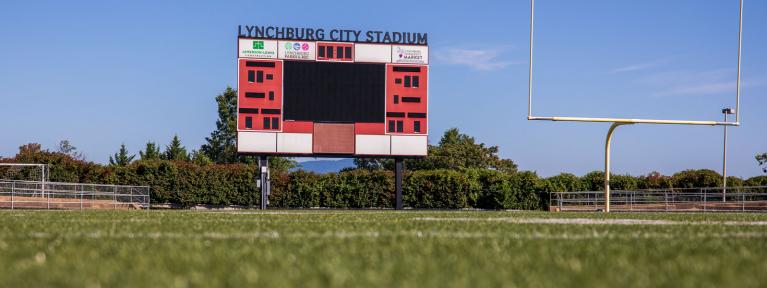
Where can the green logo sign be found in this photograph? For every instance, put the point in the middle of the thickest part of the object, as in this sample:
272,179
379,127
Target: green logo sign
258,45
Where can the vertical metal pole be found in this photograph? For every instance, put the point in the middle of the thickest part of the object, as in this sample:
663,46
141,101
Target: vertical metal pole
530,79
13,192
607,163
398,171
44,192
724,163
264,170
740,48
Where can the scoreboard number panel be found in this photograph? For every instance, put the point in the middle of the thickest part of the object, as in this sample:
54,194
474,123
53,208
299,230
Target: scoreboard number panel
325,98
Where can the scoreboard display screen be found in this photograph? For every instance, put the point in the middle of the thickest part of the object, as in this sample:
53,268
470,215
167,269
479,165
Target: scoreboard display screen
315,98
334,92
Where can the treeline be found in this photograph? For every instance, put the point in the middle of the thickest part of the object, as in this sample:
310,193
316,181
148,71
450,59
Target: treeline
187,183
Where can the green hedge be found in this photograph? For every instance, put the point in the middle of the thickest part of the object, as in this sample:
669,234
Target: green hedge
188,184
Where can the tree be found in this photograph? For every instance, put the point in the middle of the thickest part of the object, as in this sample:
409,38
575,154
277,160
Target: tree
151,152
696,179
221,146
461,151
121,158
756,181
564,182
29,149
175,151
200,158
654,180
762,159
66,148
455,151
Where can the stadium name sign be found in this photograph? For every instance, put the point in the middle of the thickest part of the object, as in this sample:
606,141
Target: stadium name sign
336,35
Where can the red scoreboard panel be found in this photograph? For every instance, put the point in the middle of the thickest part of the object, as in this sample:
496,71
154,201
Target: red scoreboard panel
304,98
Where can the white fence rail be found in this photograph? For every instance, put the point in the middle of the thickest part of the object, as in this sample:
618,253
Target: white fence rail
57,195
735,199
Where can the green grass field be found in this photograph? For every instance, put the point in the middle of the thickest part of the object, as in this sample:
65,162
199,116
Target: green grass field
380,248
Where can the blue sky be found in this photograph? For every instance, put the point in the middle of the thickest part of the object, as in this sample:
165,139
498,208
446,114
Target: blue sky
103,73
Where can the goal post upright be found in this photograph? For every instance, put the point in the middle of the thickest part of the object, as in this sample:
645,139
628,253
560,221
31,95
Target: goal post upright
628,121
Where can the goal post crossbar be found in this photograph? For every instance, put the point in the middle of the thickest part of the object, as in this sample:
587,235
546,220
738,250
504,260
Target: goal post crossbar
530,115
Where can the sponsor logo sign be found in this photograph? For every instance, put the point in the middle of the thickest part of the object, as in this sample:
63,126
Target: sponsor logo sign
249,48
410,54
297,50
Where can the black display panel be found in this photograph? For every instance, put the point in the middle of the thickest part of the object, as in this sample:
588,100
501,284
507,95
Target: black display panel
334,92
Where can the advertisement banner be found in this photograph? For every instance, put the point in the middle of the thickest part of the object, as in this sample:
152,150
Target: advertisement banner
410,54
297,50
254,48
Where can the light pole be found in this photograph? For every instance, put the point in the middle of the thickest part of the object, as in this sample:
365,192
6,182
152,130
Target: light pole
725,111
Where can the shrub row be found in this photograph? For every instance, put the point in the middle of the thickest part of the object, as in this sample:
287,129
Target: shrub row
189,184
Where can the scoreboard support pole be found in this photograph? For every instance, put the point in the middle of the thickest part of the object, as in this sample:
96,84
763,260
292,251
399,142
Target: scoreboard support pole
399,169
263,168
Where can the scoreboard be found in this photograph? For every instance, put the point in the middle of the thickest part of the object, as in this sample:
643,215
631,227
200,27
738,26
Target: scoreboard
331,98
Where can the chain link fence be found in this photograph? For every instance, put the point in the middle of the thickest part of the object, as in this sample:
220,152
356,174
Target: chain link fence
57,195
734,199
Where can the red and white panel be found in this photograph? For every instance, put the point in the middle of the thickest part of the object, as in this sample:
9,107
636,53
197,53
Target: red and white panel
256,142
335,51
372,53
294,143
406,99
373,144
259,92
409,145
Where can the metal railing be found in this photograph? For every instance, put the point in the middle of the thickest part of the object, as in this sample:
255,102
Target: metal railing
736,199
58,195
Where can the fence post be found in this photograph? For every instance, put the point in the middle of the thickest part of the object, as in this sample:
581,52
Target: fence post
705,198
13,192
743,201
47,196
81,196
596,202
114,197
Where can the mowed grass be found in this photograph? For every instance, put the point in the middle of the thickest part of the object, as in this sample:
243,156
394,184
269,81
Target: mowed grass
380,248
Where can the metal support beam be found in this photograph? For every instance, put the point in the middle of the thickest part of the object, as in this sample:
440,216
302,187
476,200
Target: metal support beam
724,163
263,168
607,162
399,169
